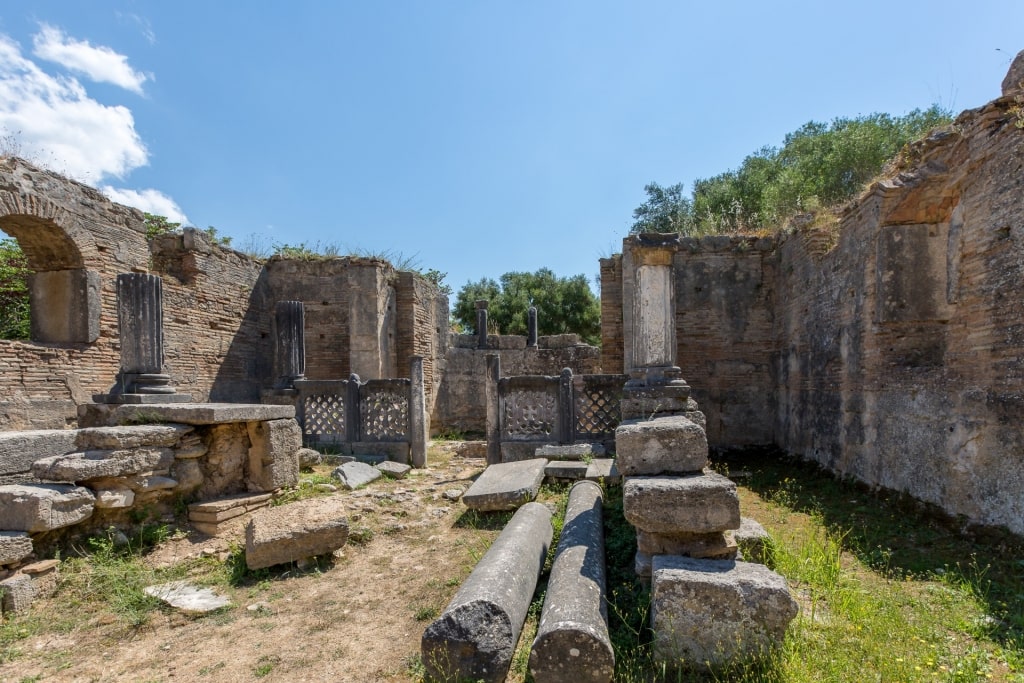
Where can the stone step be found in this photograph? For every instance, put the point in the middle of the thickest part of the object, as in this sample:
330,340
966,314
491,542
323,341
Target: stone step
43,507
290,533
18,450
690,504
705,613
209,516
604,469
663,445
566,470
102,464
506,486
575,451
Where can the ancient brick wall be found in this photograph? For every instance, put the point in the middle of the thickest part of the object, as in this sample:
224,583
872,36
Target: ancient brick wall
422,312
612,341
460,403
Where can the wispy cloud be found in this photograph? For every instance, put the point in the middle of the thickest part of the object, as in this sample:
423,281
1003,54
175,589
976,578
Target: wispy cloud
150,201
56,120
143,24
98,63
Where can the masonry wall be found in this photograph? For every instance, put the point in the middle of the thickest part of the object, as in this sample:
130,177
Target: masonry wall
461,402
889,349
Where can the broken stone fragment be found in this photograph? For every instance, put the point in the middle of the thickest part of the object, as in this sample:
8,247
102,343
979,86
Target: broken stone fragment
99,464
395,470
354,474
188,598
130,436
43,507
506,486
115,498
293,532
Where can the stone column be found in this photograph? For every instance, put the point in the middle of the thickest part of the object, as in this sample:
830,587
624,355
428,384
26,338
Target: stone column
566,409
531,327
656,384
481,324
493,418
289,343
353,429
417,414
140,309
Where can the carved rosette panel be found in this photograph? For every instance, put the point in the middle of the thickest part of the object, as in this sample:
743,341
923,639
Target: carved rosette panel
597,410
324,414
530,414
384,413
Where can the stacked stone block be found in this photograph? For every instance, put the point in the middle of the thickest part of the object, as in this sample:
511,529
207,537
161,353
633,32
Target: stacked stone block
677,506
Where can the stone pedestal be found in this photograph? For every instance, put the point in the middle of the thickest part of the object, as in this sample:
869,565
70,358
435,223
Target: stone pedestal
140,310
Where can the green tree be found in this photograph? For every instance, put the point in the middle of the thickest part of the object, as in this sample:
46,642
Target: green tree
14,303
818,165
564,304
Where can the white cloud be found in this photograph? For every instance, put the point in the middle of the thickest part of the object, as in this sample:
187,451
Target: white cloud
59,125
150,201
100,64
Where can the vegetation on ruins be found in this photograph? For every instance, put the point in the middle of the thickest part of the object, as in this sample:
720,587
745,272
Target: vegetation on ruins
160,225
818,166
564,304
14,300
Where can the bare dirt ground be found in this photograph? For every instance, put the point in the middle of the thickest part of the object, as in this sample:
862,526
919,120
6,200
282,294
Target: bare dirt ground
357,617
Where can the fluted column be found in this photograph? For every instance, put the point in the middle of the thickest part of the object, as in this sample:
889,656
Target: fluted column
140,317
290,343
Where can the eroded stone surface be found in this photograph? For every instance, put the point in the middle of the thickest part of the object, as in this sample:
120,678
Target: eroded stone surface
354,474
715,611
293,532
14,546
188,598
696,504
129,436
506,486
395,470
43,507
17,593
663,445
566,469
18,450
90,465
273,456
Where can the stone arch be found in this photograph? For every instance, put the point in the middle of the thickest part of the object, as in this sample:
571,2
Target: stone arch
64,296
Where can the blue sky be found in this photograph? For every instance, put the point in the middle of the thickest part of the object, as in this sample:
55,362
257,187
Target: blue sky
471,137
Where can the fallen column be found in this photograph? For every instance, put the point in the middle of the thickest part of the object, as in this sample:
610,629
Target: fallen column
572,641
477,634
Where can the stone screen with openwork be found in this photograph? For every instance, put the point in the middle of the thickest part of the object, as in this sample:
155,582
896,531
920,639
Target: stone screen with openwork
528,407
322,409
596,405
384,410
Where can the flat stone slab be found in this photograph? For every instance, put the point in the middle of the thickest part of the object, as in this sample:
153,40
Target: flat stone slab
43,507
664,445
352,475
606,469
18,450
566,469
88,465
289,533
184,596
395,470
15,546
129,436
705,613
506,486
229,507
576,451
96,414
691,504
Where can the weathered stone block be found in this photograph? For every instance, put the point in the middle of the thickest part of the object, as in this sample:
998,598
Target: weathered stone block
606,469
352,475
566,469
717,545
395,470
115,498
14,546
129,436
96,415
273,456
18,450
475,637
705,613
664,445
43,507
91,465
506,486
293,532
17,593
223,509
575,451
753,540
693,504
572,642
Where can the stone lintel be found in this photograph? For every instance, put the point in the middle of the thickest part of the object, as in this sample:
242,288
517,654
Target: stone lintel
96,414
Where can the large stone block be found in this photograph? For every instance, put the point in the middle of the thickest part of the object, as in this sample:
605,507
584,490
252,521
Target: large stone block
14,546
96,414
91,465
475,637
720,545
692,504
129,436
293,532
18,450
273,456
43,507
664,445
17,593
705,613
572,642
506,486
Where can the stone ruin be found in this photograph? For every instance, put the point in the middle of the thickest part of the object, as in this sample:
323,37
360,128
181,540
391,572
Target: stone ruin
889,351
